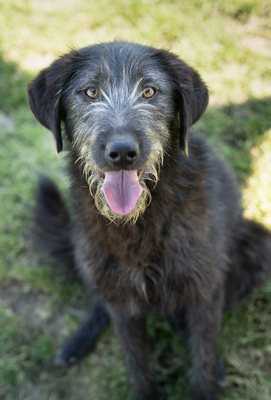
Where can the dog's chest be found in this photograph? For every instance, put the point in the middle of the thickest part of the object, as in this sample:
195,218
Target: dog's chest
139,271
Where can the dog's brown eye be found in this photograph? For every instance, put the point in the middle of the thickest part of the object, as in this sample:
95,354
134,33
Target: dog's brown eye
148,92
92,92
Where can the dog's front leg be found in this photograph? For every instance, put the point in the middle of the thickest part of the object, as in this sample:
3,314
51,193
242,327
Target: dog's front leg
132,333
203,325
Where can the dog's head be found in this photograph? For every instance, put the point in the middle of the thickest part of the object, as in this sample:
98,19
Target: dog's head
122,106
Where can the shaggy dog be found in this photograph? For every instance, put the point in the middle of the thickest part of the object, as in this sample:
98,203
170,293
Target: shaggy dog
157,224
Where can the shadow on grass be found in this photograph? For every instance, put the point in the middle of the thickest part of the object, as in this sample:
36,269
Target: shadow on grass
235,129
12,86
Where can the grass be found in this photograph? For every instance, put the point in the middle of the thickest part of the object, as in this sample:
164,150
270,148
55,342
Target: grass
229,43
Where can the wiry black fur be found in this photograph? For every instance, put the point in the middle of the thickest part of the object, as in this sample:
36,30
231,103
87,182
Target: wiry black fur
191,254
52,232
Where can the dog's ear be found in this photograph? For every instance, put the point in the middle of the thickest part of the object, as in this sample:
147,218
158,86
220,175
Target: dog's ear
192,95
44,97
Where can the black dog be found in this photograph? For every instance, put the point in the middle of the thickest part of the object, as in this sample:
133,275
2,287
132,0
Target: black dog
157,222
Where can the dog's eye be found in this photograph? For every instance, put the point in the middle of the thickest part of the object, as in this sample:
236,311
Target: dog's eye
148,92
92,92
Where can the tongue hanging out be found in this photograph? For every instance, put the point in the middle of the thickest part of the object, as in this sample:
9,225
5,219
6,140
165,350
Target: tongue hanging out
121,190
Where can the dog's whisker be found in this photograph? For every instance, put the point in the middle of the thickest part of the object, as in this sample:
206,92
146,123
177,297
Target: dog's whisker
107,98
133,96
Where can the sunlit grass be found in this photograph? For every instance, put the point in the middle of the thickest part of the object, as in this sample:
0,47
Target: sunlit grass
257,193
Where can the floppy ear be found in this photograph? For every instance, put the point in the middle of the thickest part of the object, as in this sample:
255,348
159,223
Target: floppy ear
44,95
192,96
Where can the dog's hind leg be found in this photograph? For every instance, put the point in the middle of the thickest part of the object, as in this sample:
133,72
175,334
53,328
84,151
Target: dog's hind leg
83,340
250,263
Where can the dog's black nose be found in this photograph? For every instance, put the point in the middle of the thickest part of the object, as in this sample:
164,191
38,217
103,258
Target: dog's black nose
122,153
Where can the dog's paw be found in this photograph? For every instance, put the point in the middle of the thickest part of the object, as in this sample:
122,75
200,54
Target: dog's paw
65,359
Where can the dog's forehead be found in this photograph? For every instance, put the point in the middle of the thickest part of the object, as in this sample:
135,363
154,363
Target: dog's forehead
121,61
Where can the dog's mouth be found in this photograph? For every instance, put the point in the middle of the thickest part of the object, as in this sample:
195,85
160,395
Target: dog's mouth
121,190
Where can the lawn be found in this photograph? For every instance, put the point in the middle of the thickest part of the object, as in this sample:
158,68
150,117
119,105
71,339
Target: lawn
229,43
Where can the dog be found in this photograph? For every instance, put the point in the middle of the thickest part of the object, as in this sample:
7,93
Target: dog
157,224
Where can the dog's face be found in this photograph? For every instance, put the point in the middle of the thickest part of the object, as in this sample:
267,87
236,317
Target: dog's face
122,105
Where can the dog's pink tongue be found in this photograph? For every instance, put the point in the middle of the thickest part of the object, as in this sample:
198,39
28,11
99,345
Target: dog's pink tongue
121,190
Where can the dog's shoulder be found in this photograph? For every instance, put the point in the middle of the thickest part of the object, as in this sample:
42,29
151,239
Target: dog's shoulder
200,182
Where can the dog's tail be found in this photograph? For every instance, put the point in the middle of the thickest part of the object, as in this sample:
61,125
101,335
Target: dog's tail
53,229
250,264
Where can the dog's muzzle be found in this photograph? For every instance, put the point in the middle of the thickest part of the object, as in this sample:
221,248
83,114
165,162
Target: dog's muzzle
122,188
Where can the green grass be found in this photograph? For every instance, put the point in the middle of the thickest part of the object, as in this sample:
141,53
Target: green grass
229,43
